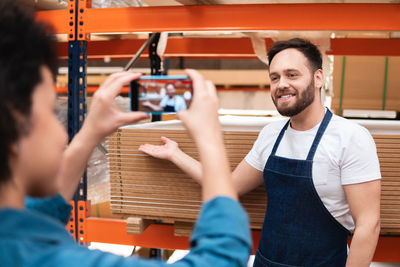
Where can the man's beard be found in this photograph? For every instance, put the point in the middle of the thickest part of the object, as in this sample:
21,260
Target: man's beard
306,99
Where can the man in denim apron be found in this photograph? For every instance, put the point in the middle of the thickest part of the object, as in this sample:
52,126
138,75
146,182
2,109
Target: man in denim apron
321,171
298,229
169,103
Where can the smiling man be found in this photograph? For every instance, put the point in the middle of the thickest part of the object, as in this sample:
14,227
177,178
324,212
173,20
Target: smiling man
321,171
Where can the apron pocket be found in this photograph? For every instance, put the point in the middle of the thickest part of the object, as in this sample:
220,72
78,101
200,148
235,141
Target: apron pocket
261,261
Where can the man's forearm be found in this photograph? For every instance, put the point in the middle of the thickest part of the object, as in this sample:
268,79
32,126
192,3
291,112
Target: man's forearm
155,107
363,245
74,162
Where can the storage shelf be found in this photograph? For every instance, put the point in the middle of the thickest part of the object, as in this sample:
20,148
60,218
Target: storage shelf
229,48
257,17
162,236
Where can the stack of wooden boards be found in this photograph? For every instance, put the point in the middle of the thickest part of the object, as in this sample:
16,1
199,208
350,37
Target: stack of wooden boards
361,83
149,188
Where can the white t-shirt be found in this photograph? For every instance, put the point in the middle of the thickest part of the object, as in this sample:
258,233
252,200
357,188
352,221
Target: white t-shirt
346,155
178,102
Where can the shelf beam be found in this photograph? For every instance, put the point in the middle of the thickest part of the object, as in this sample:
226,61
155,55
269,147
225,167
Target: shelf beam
59,19
176,47
257,17
303,17
114,231
387,249
229,48
162,236
365,47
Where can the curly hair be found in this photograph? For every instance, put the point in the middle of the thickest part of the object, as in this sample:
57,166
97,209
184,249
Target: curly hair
25,46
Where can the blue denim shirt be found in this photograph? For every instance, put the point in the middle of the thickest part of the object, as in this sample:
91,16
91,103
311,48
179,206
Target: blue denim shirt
37,237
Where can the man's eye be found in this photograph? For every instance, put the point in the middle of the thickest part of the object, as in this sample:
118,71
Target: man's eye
274,78
292,75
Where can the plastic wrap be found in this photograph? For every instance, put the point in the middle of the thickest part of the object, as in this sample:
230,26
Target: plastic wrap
97,168
115,3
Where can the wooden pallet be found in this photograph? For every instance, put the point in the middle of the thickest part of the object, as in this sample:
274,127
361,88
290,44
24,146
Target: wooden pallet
154,189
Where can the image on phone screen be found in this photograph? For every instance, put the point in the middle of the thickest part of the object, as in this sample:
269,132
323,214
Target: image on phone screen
161,94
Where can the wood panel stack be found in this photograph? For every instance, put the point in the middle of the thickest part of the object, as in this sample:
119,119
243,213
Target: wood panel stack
150,188
388,147
156,189
363,84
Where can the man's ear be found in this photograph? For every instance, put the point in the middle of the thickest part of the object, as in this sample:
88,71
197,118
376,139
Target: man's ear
318,78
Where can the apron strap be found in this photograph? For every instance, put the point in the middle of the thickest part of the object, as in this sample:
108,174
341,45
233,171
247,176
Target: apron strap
321,130
278,140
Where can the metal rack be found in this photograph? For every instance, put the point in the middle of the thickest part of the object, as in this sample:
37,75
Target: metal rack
78,22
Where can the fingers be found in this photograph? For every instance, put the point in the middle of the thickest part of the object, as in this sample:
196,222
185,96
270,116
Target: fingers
152,150
181,115
164,139
145,148
126,118
113,84
211,88
110,79
185,118
119,82
148,149
197,80
201,88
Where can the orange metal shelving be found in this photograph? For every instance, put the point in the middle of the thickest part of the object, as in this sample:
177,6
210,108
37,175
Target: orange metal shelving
230,47
162,236
294,17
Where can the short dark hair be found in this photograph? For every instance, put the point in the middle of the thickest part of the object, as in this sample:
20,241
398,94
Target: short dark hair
25,46
309,50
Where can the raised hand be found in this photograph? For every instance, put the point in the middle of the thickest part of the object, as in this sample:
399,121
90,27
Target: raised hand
201,119
146,104
165,151
104,116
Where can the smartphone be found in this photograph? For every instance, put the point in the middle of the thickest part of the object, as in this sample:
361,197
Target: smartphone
159,94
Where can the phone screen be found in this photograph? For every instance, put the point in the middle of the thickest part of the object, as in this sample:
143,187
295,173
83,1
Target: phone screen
161,94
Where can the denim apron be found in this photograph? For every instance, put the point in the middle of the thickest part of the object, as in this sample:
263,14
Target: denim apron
298,230
169,108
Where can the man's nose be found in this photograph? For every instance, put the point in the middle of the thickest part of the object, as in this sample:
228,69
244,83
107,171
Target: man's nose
282,83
